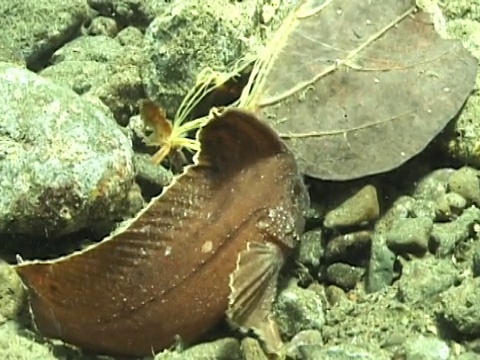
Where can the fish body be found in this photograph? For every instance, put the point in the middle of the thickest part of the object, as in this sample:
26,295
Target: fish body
209,247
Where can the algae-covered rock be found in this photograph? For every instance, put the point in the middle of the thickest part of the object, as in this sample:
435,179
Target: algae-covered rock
344,275
380,273
299,309
64,160
465,139
102,67
36,29
12,293
189,36
465,181
19,344
462,308
310,251
446,236
410,235
424,279
138,13
426,348
222,349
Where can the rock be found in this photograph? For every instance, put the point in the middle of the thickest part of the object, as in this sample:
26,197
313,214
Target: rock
449,206
36,29
302,339
341,352
64,161
445,236
310,250
463,138
410,235
153,174
222,349
128,12
358,209
461,308
101,66
101,49
298,309
466,29
460,9
12,293
129,36
456,202
344,275
426,348
314,215
8,53
218,32
335,294
16,343
252,350
103,26
470,355
84,63
424,279
400,209
376,322
352,248
476,260
380,272
80,75
424,209
433,185
465,182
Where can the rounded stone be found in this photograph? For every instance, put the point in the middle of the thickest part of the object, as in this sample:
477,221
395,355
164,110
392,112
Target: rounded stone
65,162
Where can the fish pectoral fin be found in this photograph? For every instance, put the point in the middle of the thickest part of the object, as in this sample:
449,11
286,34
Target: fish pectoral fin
253,288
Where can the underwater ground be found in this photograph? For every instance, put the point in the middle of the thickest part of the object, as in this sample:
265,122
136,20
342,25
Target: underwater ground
389,264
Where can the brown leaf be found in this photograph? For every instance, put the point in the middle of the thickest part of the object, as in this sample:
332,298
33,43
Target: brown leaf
166,272
359,87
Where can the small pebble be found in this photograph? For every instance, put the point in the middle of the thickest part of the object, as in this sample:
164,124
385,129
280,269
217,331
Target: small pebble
353,248
465,182
433,185
476,260
380,272
102,25
445,236
359,209
424,209
226,348
302,339
310,249
449,206
130,36
335,294
344,275
152,174
410,235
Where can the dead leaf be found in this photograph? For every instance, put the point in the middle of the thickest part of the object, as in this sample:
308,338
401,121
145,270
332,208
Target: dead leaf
167,271
359,87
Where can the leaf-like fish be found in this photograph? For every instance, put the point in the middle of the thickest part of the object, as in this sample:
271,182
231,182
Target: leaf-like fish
172,269
359,87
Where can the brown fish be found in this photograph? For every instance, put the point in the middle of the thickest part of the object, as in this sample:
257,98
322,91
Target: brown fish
211,244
